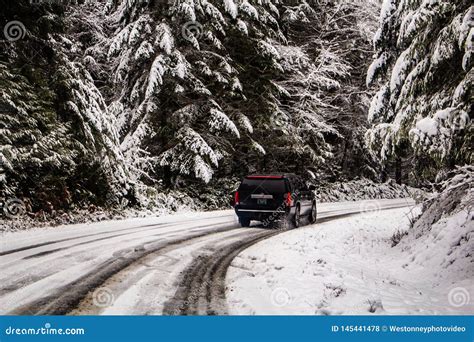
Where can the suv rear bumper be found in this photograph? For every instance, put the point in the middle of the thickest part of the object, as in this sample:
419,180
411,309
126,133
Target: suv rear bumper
262,214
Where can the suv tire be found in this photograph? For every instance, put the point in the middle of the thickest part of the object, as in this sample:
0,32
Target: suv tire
297,218
314,214
244,222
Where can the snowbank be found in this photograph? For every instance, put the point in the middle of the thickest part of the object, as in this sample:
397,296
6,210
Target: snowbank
348,267
364,189
442,238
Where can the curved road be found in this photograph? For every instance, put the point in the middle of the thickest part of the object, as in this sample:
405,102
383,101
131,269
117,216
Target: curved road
174,265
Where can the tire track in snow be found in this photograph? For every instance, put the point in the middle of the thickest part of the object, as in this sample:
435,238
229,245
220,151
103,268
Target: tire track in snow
201,290
67,298
131,230
27,278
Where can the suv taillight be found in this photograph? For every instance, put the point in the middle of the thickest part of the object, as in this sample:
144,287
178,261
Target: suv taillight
288,200
236,198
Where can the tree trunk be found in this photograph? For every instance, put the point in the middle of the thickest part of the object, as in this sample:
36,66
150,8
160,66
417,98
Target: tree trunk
398,170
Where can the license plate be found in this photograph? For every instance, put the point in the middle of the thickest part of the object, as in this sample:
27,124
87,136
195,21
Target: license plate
262,201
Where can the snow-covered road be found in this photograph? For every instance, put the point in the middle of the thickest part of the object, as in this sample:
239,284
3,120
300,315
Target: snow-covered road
167,265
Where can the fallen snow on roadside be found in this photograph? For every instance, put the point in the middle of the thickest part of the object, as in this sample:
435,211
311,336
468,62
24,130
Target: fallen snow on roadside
346,266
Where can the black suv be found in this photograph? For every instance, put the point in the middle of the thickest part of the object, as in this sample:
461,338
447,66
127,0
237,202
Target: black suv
275,198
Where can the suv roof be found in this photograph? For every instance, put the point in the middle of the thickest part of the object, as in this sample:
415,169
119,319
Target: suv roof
272,176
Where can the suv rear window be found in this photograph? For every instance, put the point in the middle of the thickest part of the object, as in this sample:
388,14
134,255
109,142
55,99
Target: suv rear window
266,185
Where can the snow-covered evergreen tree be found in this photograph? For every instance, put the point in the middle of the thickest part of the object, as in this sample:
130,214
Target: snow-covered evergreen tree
190,78
176,72
58,144
143,94
324,63
423,70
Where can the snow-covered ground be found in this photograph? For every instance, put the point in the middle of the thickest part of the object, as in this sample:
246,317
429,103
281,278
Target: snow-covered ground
348,266
136,266
178,264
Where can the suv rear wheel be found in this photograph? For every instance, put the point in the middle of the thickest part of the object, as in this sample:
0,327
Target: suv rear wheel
313,216
297,218
244,222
